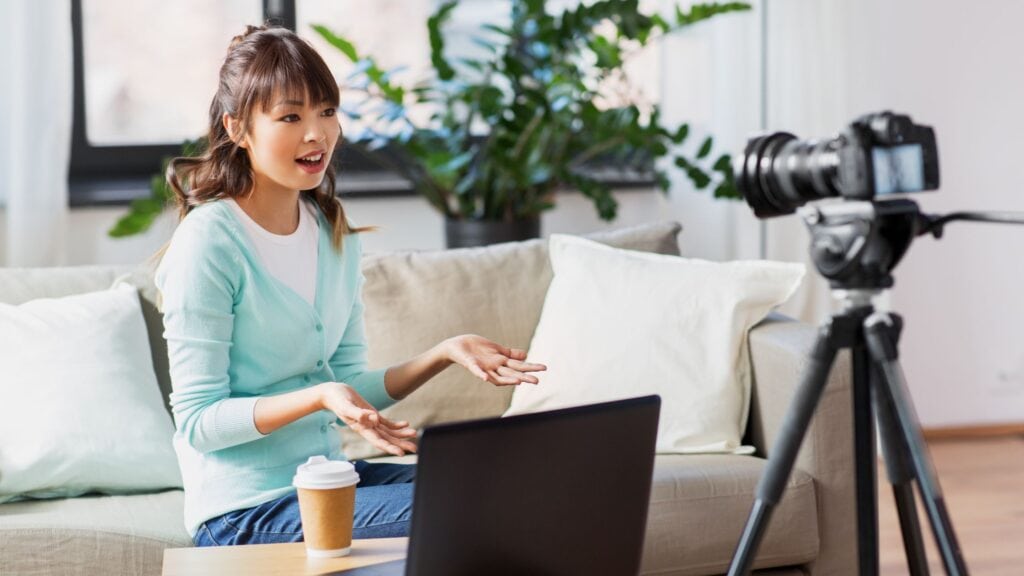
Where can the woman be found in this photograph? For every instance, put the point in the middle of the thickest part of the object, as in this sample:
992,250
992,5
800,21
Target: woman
261,294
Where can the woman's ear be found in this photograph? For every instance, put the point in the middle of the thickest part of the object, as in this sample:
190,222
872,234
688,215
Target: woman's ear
233,127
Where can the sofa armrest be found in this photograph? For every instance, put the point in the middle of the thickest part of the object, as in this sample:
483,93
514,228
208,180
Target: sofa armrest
779,348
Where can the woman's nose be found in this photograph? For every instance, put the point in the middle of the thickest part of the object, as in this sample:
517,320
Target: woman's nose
315,134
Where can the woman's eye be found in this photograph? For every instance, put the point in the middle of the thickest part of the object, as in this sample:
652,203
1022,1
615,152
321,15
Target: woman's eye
290,118
330,112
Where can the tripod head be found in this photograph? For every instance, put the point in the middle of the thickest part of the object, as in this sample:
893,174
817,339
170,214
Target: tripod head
856,242
856,245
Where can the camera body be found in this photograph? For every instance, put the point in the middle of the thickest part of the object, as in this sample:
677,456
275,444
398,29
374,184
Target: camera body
878,154
887,153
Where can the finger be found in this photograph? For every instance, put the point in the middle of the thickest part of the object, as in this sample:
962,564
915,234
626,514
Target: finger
352,412
517,354
478,372
375,438
404,434
402,443
393,424
526,366
498,379
519,376
403,431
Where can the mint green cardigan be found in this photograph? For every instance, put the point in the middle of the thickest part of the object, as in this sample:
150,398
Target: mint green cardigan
235,333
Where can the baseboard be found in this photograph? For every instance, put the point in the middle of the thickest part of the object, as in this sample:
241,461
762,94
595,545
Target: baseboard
973,432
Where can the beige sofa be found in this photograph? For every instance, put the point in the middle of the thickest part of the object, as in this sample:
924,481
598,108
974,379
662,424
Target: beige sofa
699,503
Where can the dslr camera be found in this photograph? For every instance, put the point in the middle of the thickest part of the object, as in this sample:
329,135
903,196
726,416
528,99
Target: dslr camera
878,154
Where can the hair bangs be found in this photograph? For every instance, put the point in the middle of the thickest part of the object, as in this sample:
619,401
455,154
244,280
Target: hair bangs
289,69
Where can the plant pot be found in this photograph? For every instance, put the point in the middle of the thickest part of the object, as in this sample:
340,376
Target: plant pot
470,233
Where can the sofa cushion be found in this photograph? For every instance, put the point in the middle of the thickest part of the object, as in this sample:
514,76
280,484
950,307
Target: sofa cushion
699,506
416,299
110,535
19,285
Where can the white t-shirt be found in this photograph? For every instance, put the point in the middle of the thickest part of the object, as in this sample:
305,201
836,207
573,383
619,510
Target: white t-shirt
291,258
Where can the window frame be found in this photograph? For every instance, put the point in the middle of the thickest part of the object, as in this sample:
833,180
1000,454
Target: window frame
116,175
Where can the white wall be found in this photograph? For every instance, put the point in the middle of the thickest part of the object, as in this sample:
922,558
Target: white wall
958,68
955,66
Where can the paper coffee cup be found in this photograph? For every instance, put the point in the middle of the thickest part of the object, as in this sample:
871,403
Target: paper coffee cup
327,496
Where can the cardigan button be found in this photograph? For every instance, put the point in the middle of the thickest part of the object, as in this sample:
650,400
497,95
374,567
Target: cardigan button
306,378
319,363
319,327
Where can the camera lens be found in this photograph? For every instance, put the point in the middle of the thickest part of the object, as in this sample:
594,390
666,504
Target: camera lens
779,173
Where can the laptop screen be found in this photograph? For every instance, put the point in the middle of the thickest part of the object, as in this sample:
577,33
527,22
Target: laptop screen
549,493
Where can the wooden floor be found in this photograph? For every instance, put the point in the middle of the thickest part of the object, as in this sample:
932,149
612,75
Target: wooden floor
983,483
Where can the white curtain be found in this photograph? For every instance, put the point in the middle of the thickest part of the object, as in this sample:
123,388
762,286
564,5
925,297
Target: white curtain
35,107
709,79
776,67
781,66
808,71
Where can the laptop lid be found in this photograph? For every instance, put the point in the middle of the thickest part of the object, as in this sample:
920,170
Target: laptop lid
563,492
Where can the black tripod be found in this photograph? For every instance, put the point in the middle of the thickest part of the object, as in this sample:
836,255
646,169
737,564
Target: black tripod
856,245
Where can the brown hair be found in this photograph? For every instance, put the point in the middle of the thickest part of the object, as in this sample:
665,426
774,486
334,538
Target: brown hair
261,63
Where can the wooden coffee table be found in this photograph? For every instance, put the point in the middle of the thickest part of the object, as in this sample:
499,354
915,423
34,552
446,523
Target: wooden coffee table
277,558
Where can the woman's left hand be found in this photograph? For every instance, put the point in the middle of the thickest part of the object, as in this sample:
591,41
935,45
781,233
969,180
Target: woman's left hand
492,362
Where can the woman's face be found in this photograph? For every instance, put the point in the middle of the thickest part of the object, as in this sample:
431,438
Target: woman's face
290,145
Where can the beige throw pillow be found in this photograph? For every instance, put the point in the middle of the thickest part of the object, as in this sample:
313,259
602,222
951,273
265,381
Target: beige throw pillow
619,323
416,299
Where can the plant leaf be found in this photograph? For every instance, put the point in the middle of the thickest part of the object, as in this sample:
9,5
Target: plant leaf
434,23
338,42
705,148
699,12
723,164
681,133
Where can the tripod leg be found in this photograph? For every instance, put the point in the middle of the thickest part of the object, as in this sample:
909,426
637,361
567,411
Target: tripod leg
865,463
785,449
901,476
878,330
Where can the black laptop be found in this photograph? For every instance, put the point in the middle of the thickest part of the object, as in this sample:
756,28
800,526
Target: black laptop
563,492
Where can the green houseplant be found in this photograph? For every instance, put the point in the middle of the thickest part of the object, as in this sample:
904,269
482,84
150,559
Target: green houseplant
535,91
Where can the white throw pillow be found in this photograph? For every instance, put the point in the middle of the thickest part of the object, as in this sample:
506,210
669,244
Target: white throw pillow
619,323
80,409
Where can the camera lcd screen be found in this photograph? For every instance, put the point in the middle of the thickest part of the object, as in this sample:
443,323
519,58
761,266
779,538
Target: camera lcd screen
898,169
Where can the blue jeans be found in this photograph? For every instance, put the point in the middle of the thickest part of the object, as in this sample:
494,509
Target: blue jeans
383,508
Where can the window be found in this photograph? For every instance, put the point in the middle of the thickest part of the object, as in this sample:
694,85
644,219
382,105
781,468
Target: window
144,73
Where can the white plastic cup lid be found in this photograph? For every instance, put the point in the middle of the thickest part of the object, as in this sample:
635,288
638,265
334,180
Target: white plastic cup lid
319,473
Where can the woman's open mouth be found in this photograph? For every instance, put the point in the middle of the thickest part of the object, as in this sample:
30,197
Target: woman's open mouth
312,163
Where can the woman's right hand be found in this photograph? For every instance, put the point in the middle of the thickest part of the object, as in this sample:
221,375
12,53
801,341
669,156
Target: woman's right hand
360,416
